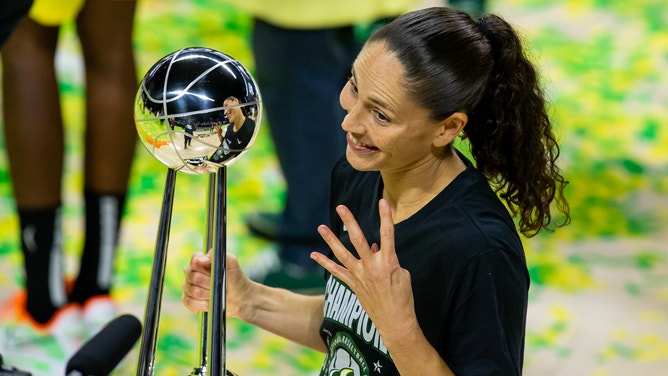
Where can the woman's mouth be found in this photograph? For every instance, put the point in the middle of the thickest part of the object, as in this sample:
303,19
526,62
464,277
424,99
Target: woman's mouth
359,146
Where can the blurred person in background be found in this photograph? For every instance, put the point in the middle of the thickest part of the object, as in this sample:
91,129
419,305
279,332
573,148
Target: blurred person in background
11,12
476,8
48,306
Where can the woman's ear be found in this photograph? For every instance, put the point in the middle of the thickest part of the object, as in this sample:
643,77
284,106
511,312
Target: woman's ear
450,128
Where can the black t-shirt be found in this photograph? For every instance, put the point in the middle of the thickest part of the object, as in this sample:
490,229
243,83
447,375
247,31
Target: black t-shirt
468,273
234,142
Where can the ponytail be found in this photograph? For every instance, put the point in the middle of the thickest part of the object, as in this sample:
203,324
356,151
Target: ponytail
454,64
511,134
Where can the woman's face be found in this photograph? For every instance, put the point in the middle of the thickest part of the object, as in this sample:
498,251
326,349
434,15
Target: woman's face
233,112
386,129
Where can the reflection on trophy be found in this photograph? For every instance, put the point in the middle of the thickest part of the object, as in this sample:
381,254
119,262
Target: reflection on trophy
197,111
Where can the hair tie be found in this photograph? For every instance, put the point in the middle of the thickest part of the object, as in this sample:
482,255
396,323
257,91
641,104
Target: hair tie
485,29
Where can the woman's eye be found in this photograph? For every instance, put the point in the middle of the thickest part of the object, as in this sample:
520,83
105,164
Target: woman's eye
381,117
353,86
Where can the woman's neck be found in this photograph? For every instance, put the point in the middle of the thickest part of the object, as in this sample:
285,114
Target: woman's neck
238,122
409,192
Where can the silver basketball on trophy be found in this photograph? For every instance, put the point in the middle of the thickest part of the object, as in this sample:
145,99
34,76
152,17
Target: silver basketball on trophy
197,109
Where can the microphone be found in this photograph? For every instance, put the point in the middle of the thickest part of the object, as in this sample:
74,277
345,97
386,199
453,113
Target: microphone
100,354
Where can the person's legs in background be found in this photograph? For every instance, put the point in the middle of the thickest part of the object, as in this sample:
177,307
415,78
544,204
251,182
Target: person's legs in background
300,74
105,31
12,11
34,138
35,148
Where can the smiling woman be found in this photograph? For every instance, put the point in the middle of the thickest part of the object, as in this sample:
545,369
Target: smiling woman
426,273
383,118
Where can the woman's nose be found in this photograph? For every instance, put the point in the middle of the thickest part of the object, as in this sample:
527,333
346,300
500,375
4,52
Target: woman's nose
352,122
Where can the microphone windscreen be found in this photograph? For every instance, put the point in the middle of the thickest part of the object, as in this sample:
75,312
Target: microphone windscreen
102,353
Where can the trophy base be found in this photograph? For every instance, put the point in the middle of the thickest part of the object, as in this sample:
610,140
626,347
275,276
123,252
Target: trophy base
202,372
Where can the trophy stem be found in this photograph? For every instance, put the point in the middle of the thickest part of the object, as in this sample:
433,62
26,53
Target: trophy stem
152,312
217,302
208,244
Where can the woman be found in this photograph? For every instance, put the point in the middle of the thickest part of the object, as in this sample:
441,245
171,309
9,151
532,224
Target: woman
427,273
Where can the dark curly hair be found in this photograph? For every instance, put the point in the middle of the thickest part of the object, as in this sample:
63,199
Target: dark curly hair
454,63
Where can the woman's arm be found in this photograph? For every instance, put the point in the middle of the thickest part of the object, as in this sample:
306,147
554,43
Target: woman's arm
411,351
292,316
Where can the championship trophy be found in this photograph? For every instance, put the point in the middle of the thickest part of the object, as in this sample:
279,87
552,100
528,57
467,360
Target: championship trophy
197,111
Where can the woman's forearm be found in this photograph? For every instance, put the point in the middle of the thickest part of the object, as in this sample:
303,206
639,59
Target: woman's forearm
290,315
413,354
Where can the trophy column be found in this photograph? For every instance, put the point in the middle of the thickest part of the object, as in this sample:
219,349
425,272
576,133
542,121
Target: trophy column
197,111
217,319
154,301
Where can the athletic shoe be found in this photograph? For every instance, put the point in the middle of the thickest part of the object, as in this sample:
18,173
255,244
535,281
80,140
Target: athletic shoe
297,278
265,261
59,338
267,268
264,224
288,267
97,312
